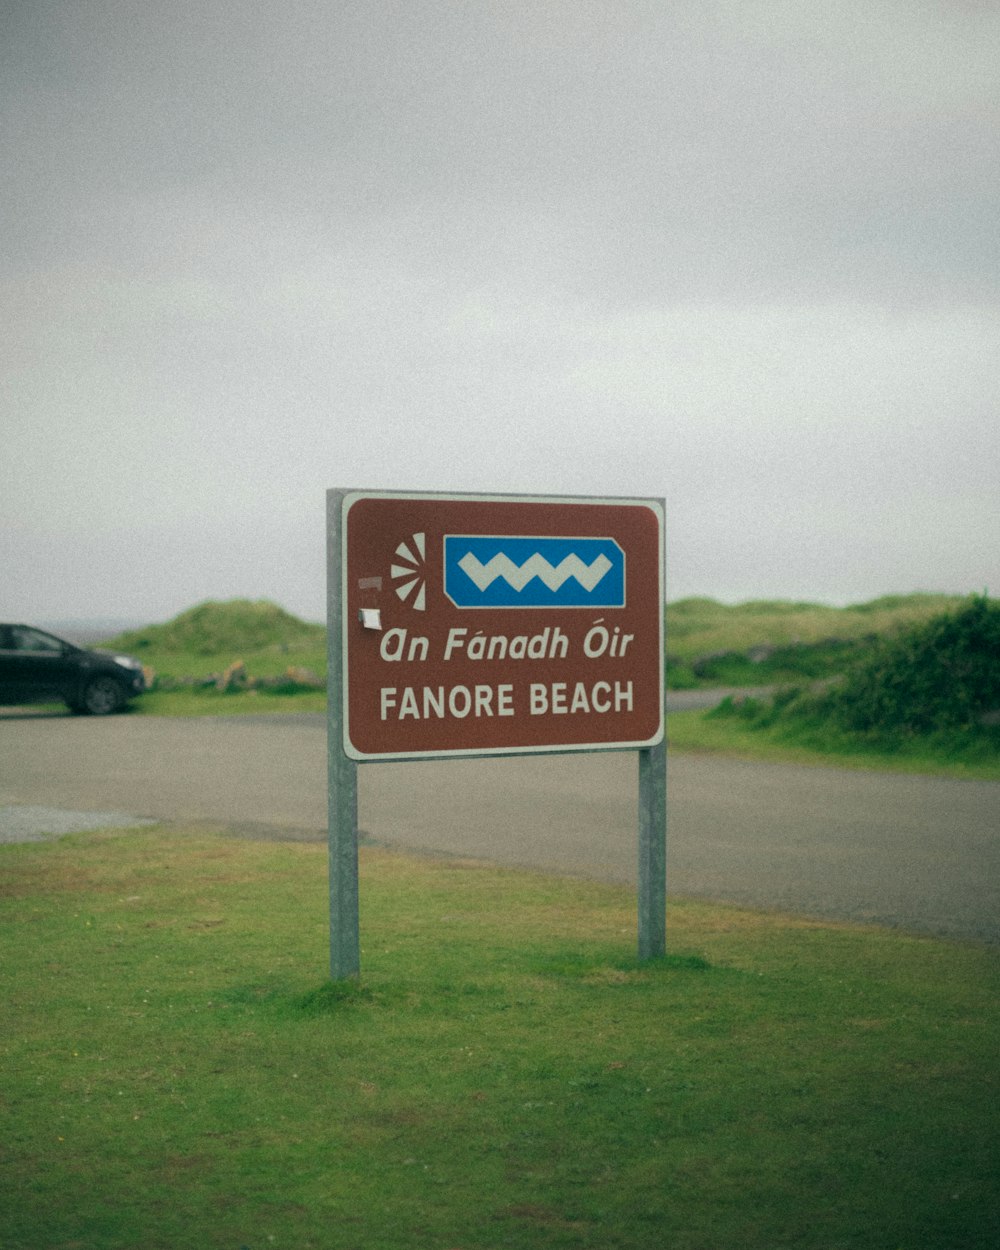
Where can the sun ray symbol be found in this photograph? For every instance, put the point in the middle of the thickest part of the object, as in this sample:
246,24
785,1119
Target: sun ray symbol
409,574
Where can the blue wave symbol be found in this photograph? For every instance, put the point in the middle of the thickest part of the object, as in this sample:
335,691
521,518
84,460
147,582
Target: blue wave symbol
491,571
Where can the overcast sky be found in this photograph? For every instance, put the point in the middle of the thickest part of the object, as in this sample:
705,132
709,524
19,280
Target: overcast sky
741,255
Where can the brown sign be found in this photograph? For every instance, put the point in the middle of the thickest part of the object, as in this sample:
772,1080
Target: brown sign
483,625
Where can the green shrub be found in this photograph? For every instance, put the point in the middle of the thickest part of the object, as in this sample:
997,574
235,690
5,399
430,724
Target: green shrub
762,713
936,682
768,665
767,642
941,675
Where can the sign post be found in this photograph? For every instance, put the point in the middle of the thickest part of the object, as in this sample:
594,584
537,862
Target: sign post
463,625
652,874
342,772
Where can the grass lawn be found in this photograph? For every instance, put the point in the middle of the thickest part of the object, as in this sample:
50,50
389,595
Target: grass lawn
218,703
176,1070
782,743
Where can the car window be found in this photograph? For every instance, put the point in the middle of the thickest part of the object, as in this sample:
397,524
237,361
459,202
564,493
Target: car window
25,639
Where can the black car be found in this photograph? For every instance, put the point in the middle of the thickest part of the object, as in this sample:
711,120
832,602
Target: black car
36,667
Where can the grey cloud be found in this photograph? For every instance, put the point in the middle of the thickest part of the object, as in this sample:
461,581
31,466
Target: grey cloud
742,254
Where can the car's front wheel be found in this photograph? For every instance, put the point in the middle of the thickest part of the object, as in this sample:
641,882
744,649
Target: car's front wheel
101,697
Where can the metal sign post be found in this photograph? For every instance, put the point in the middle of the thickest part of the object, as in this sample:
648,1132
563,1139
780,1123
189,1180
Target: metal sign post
342,793
463,625
652,875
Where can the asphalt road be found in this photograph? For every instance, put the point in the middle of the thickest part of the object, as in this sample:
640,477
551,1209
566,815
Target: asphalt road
919,853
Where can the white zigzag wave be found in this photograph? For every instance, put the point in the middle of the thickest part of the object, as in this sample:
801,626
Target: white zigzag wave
518,576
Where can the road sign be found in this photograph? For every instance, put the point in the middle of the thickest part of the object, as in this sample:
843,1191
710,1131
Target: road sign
479,624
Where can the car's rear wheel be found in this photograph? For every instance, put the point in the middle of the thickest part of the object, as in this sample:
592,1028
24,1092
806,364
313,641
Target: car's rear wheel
101,697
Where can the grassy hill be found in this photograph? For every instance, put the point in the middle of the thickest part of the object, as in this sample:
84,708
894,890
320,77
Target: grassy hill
923,695
211,637
282,663
709,643
763,642
214,629
941,675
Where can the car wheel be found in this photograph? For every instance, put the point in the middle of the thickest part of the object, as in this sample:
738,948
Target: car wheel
102,696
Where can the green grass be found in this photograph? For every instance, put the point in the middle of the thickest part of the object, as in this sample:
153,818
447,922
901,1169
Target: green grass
176,1071
928,695
699,627
271,661
943,755
813,639
709,644
213,628
206,640
230,703
768,642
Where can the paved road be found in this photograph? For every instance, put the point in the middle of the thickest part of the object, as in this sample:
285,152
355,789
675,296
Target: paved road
915,852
